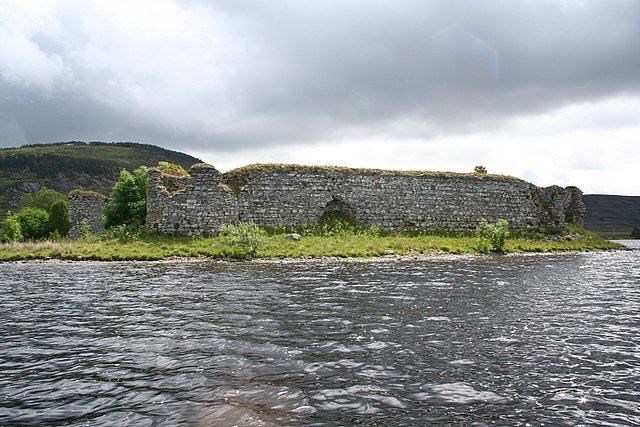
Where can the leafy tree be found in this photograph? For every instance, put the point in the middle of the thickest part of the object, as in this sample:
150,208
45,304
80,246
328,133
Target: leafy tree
492,236
128,204
635,234
11,231
44,198
480,170
34,223
172,169
59,220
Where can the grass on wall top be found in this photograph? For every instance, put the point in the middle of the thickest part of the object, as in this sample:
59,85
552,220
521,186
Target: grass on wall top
281,167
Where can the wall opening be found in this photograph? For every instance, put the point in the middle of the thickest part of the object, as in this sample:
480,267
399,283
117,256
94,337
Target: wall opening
337,209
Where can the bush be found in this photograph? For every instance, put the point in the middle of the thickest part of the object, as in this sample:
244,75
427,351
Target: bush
44,199
480,170
11,231
244,238
84,232
172,169
635,234
128,204
34,223
492,237
59,221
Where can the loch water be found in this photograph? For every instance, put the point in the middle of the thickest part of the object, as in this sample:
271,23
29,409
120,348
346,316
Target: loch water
517,340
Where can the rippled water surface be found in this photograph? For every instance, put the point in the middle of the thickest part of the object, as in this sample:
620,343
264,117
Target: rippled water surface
488,340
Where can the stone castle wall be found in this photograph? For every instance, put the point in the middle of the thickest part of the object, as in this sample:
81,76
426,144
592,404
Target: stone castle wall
271,195
196,205
86,205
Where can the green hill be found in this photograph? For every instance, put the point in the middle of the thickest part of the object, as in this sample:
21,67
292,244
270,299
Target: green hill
613,216
68,165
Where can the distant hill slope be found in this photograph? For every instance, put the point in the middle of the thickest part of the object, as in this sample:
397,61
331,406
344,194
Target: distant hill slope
612,215
69,165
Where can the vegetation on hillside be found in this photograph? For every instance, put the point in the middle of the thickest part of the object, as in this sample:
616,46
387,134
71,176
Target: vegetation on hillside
68,165
44,198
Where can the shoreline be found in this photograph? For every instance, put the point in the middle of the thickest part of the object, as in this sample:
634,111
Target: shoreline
434,256
277,248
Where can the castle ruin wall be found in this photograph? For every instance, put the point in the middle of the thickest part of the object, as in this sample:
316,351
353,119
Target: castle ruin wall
393,200
86,205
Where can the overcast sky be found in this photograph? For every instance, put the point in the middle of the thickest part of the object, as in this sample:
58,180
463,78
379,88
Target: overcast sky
545,90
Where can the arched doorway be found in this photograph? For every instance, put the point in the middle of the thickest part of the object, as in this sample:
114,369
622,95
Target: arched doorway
338,209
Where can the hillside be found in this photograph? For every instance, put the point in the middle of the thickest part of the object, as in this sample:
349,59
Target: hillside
612,215
69,165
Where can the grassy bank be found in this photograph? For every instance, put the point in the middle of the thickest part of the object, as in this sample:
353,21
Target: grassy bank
275,245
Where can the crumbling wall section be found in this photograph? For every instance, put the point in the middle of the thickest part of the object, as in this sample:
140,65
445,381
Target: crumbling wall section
198,204
86,205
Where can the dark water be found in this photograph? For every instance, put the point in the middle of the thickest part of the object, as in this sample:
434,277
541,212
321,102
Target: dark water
539,340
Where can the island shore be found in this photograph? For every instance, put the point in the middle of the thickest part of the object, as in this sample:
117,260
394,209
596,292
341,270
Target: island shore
277,247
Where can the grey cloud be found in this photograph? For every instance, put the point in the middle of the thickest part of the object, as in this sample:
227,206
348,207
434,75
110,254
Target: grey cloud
309,71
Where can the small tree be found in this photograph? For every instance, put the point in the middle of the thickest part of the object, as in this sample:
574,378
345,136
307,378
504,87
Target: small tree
59,220
44,199
492,237
11,231
635,234
480,170
34,223
128,204
244,238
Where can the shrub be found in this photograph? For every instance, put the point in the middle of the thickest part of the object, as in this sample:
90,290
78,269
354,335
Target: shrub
84,232
11,231
243,238
34,223
44,199
480,170
172,169
59,220
128,204
635,234
492,237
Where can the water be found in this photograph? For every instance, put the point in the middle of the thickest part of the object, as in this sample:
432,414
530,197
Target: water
493,340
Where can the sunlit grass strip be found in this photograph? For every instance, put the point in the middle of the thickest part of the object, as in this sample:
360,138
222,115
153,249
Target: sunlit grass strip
276,246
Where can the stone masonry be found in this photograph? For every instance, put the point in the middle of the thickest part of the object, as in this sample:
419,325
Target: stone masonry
86,205
272,194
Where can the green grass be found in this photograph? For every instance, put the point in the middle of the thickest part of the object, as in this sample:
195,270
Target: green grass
276,246
283,167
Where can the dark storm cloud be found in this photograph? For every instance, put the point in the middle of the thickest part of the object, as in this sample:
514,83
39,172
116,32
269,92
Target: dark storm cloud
229,75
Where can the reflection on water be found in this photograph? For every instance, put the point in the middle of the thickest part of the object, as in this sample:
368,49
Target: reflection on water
538,339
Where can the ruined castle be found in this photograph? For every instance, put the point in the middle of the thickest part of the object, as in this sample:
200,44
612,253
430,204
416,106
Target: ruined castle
274,194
